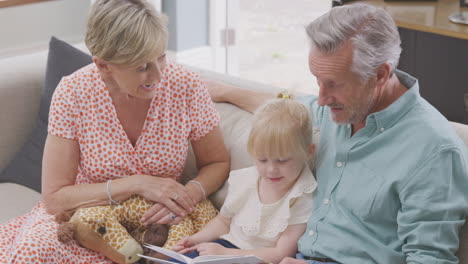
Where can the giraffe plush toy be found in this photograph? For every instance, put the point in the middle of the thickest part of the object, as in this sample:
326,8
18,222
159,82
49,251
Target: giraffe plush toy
116,231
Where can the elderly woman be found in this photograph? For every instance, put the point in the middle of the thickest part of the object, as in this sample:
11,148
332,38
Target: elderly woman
117,127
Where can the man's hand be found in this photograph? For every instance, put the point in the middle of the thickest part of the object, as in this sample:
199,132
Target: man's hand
216,89
249,100
289,260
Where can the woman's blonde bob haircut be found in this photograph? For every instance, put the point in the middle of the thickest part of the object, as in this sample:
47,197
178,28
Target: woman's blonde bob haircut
128,32
281,128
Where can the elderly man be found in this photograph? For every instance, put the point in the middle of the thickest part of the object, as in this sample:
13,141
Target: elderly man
392,174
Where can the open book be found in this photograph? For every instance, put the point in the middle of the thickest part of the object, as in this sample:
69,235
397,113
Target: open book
214,259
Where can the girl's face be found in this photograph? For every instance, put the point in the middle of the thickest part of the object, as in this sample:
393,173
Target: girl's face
279,173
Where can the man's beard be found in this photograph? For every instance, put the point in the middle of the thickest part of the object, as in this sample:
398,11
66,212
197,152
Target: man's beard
356,112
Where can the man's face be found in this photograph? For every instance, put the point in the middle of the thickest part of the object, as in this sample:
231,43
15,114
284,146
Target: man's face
349,98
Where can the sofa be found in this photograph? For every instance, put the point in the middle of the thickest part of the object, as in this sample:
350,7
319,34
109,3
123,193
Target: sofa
22,80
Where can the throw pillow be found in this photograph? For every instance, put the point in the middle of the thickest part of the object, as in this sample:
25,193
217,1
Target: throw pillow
25,168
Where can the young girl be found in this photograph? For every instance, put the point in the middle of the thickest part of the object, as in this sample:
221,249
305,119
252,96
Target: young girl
268,205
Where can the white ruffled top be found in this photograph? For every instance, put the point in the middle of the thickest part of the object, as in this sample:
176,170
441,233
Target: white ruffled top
256,225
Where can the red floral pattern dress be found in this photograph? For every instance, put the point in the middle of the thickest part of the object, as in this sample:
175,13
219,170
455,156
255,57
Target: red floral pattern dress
82,110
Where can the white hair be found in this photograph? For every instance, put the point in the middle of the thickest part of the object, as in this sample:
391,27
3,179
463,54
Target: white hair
372,32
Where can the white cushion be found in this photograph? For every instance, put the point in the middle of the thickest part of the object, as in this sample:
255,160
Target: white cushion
16,200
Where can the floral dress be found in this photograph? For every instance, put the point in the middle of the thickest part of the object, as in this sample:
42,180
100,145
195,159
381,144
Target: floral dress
82,110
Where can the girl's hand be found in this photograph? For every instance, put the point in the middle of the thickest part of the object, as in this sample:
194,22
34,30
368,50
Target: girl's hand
289,260
169,194
211,249
185,245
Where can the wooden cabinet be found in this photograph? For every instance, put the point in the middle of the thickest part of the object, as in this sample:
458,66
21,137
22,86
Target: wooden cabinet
441,65
435,51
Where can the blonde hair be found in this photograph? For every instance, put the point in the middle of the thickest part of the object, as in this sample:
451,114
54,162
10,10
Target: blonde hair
281,127
126,31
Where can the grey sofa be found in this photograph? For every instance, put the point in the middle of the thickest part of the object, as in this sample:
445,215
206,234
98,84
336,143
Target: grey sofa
21,83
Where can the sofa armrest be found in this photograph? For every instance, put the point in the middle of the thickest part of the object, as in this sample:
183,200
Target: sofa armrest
22,81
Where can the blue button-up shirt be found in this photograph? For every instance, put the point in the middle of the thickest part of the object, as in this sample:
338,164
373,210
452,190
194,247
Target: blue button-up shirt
395,192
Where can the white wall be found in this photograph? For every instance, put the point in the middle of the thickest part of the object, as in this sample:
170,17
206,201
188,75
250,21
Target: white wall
29,27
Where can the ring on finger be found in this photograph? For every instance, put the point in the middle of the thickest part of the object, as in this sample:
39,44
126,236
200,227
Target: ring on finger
171,215
175,196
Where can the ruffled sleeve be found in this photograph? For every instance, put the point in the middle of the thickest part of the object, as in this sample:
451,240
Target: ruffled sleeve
300,198
301,209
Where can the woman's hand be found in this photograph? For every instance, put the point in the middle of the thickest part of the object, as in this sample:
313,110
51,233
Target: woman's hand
185,245
161,214
172,199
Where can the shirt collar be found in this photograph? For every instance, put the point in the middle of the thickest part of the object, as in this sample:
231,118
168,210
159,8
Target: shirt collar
389,116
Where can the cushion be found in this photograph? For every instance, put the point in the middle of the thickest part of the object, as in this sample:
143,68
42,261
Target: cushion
235,126
24,200
25,168
22,81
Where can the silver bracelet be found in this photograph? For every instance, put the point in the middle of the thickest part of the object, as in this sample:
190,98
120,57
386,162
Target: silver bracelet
201,188
109,195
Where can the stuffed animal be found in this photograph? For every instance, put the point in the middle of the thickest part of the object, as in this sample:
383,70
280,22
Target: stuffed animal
116,231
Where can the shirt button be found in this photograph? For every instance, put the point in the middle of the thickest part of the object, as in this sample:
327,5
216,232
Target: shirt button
311,232
382,129
326,201
339,164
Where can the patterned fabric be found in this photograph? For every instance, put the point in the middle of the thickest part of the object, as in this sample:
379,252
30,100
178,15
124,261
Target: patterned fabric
119,226
201,215
255,224
82,110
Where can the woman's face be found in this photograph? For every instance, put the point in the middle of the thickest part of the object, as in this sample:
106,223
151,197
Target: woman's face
138,81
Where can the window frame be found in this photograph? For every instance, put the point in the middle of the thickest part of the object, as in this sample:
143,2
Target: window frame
9,3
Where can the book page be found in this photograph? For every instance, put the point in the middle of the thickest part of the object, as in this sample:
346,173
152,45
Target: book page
227,260
160,261
169,253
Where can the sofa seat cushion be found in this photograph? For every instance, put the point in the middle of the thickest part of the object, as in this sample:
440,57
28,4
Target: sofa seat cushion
17,200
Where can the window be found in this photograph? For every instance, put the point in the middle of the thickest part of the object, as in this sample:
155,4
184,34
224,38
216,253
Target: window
7,3
272,44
